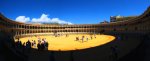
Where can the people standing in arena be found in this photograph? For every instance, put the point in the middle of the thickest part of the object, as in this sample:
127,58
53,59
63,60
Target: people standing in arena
82,39
87,38
91,37
39,46
94,35
34,43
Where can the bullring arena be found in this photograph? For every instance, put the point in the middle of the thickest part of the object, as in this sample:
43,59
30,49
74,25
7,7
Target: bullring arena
110,41
67,43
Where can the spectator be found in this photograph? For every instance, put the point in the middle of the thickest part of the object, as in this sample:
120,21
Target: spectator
28,45
39,46
42,46
46,45
34,43
24,46
19,44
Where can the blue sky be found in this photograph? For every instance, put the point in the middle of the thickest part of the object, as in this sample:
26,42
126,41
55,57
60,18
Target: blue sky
71,11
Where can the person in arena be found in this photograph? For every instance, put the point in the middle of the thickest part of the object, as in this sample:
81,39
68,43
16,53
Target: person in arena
91,37
82,39
87,38
39,46
95,35
28,45
34,43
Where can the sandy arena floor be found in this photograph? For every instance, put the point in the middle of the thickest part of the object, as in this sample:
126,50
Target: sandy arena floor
64,43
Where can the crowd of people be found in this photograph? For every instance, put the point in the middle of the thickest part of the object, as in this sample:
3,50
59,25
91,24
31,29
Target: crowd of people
23,47
42,44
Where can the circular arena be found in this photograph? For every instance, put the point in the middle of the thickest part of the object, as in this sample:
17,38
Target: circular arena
69,41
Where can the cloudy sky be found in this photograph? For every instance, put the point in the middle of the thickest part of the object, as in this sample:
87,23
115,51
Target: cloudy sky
70,11
43,19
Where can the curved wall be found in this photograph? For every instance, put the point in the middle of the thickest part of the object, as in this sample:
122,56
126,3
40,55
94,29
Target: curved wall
139,24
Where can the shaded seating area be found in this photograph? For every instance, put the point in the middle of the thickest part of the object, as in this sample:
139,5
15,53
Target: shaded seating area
8,51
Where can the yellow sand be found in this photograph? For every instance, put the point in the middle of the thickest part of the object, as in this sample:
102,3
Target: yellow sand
64,43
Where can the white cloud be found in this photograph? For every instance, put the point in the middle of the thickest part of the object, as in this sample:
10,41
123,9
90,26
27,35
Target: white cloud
22,19
57,20
43,19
